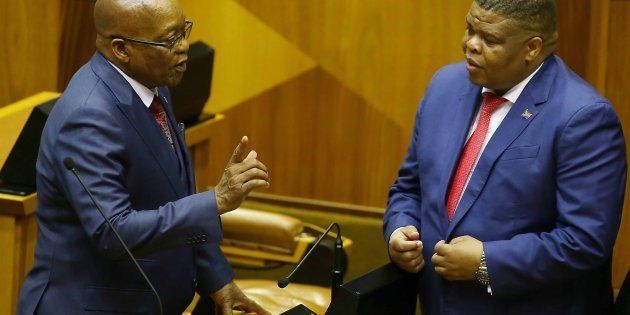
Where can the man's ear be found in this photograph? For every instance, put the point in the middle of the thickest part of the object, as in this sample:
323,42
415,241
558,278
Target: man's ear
120,50
534,48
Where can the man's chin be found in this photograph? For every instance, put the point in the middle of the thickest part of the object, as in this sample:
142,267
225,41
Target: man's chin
175,81
476,79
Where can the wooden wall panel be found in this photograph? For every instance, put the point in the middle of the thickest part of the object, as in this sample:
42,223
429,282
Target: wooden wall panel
386,51
30,33
329,146
78,37
250,56
573,29
617,83
377,51
45,43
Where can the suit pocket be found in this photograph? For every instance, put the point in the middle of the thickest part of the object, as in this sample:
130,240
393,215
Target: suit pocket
518,153
128,301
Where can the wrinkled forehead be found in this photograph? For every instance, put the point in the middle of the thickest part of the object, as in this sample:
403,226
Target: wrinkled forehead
151,17
490,22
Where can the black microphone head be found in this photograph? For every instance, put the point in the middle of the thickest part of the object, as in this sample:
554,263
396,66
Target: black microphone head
283,283
69,163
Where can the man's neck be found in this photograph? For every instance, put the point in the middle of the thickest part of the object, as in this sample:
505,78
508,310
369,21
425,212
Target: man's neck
531,69
122,67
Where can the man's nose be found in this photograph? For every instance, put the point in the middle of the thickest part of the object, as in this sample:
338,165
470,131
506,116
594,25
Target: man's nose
182,47
473,44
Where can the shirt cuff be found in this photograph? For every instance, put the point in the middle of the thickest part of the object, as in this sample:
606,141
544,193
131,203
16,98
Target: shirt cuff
396,230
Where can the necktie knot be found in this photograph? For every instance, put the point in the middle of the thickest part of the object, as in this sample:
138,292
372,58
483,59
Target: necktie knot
471,152
156,106
491,102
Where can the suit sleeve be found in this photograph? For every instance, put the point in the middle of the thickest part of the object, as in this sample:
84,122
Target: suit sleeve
95,141
590,184
403,207
213,270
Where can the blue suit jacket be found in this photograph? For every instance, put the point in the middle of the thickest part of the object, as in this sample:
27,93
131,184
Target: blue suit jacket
146,189
545,197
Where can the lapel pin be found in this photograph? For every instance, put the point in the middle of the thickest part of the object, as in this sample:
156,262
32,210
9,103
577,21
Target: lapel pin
526,114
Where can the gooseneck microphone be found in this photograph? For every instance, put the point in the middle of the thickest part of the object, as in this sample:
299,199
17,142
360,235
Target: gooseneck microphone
337,270
69,164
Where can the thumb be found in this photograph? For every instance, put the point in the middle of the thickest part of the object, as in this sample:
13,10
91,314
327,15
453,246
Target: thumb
252,155
226,309
411,233
237,155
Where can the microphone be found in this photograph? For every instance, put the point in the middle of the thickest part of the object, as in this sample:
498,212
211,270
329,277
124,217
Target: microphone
337,272
69,164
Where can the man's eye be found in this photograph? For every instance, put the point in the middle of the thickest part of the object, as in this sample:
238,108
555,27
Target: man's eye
491,40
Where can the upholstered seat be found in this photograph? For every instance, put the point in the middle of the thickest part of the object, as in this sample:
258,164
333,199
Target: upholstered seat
276,300
254,238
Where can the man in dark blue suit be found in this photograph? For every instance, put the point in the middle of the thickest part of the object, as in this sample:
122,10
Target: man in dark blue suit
116,122
509,198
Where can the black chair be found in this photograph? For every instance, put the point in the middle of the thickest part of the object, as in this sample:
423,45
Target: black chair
622,305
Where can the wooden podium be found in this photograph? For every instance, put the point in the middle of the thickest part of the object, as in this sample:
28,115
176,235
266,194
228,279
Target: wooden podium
18,226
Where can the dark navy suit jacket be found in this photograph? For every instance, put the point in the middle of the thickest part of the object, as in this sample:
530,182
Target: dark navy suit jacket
545,197
144,186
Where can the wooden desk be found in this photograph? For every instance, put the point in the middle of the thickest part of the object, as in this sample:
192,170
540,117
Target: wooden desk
18,225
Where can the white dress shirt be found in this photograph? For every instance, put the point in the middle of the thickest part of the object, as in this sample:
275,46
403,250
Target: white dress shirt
496,118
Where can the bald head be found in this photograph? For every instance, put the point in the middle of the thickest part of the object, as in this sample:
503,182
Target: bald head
132,17
134,35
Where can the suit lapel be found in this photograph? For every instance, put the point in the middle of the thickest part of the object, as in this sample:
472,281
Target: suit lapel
140,118
179,136
535,93
463,114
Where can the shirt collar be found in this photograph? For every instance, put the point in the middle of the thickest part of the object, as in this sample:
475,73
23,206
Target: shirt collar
512,94
145,94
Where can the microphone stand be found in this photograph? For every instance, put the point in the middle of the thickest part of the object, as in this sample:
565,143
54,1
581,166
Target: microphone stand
337,270
69,163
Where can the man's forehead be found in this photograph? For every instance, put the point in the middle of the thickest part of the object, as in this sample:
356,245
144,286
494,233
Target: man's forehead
158,21
488,20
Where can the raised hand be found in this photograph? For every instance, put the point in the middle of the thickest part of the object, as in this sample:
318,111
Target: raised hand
241,175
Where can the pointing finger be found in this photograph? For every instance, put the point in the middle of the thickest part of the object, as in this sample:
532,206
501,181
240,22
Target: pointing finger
237,155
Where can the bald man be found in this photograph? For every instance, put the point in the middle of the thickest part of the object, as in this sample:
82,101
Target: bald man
115,121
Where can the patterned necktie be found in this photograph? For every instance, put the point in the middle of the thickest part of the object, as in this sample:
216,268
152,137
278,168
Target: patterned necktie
157,109
471,151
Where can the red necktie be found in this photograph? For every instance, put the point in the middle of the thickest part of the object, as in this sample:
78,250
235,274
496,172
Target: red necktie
157,109
471,151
